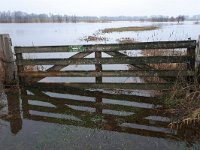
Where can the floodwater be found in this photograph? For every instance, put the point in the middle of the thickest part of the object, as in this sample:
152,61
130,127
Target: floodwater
57,118
77,119
71,33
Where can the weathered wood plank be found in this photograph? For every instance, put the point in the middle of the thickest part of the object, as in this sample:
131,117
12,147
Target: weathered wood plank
6,60
107,73
191,53
136,86
20,67
124,60
108,47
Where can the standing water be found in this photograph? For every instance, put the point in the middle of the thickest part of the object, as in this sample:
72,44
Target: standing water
53,118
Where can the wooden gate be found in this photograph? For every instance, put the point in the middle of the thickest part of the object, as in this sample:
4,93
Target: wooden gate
144,66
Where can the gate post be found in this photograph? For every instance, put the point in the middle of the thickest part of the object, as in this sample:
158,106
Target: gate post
197,64
7,65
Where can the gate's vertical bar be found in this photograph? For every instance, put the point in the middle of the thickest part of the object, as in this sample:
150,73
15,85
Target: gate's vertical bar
191,53
197,63
98,81
99,109
7,60
20,67
191,64
25,104
98,67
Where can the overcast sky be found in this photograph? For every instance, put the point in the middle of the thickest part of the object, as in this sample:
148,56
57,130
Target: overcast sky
105,7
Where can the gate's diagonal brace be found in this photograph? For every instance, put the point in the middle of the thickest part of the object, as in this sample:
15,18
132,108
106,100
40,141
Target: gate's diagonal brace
59,67
142,66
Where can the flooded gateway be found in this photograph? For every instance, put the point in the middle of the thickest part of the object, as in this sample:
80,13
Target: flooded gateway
52,117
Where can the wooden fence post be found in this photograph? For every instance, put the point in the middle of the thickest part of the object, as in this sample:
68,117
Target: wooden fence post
197,64
98,67
98,81
7,60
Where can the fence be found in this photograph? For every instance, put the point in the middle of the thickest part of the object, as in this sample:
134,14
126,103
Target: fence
144,66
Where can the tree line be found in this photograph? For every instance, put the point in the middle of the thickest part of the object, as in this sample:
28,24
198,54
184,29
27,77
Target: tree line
178,19
23,17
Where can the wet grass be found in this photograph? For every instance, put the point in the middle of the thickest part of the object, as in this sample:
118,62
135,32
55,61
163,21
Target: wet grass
183,100
128,29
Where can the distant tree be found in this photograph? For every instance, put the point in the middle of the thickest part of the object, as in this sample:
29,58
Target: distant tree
22,17
74,19
180,18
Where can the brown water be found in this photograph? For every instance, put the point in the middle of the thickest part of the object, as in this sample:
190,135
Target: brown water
82,119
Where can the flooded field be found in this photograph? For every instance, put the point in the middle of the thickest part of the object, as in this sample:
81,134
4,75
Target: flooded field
71,33
69,118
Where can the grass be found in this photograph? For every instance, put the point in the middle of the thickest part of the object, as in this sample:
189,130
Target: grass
127,29
183,101
126,40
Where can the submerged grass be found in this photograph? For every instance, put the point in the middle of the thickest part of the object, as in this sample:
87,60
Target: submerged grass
126,29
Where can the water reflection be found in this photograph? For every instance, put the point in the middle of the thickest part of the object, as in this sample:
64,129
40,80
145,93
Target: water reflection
119,113
113,112
14,114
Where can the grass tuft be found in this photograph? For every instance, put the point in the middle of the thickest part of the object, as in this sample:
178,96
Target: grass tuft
128,29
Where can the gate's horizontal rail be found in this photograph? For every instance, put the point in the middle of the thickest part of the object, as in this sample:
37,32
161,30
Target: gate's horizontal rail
142,132
136,86
88,104
87,93
111,73
109,47
123,60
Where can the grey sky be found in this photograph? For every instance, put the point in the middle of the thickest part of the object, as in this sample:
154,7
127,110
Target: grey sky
105,7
